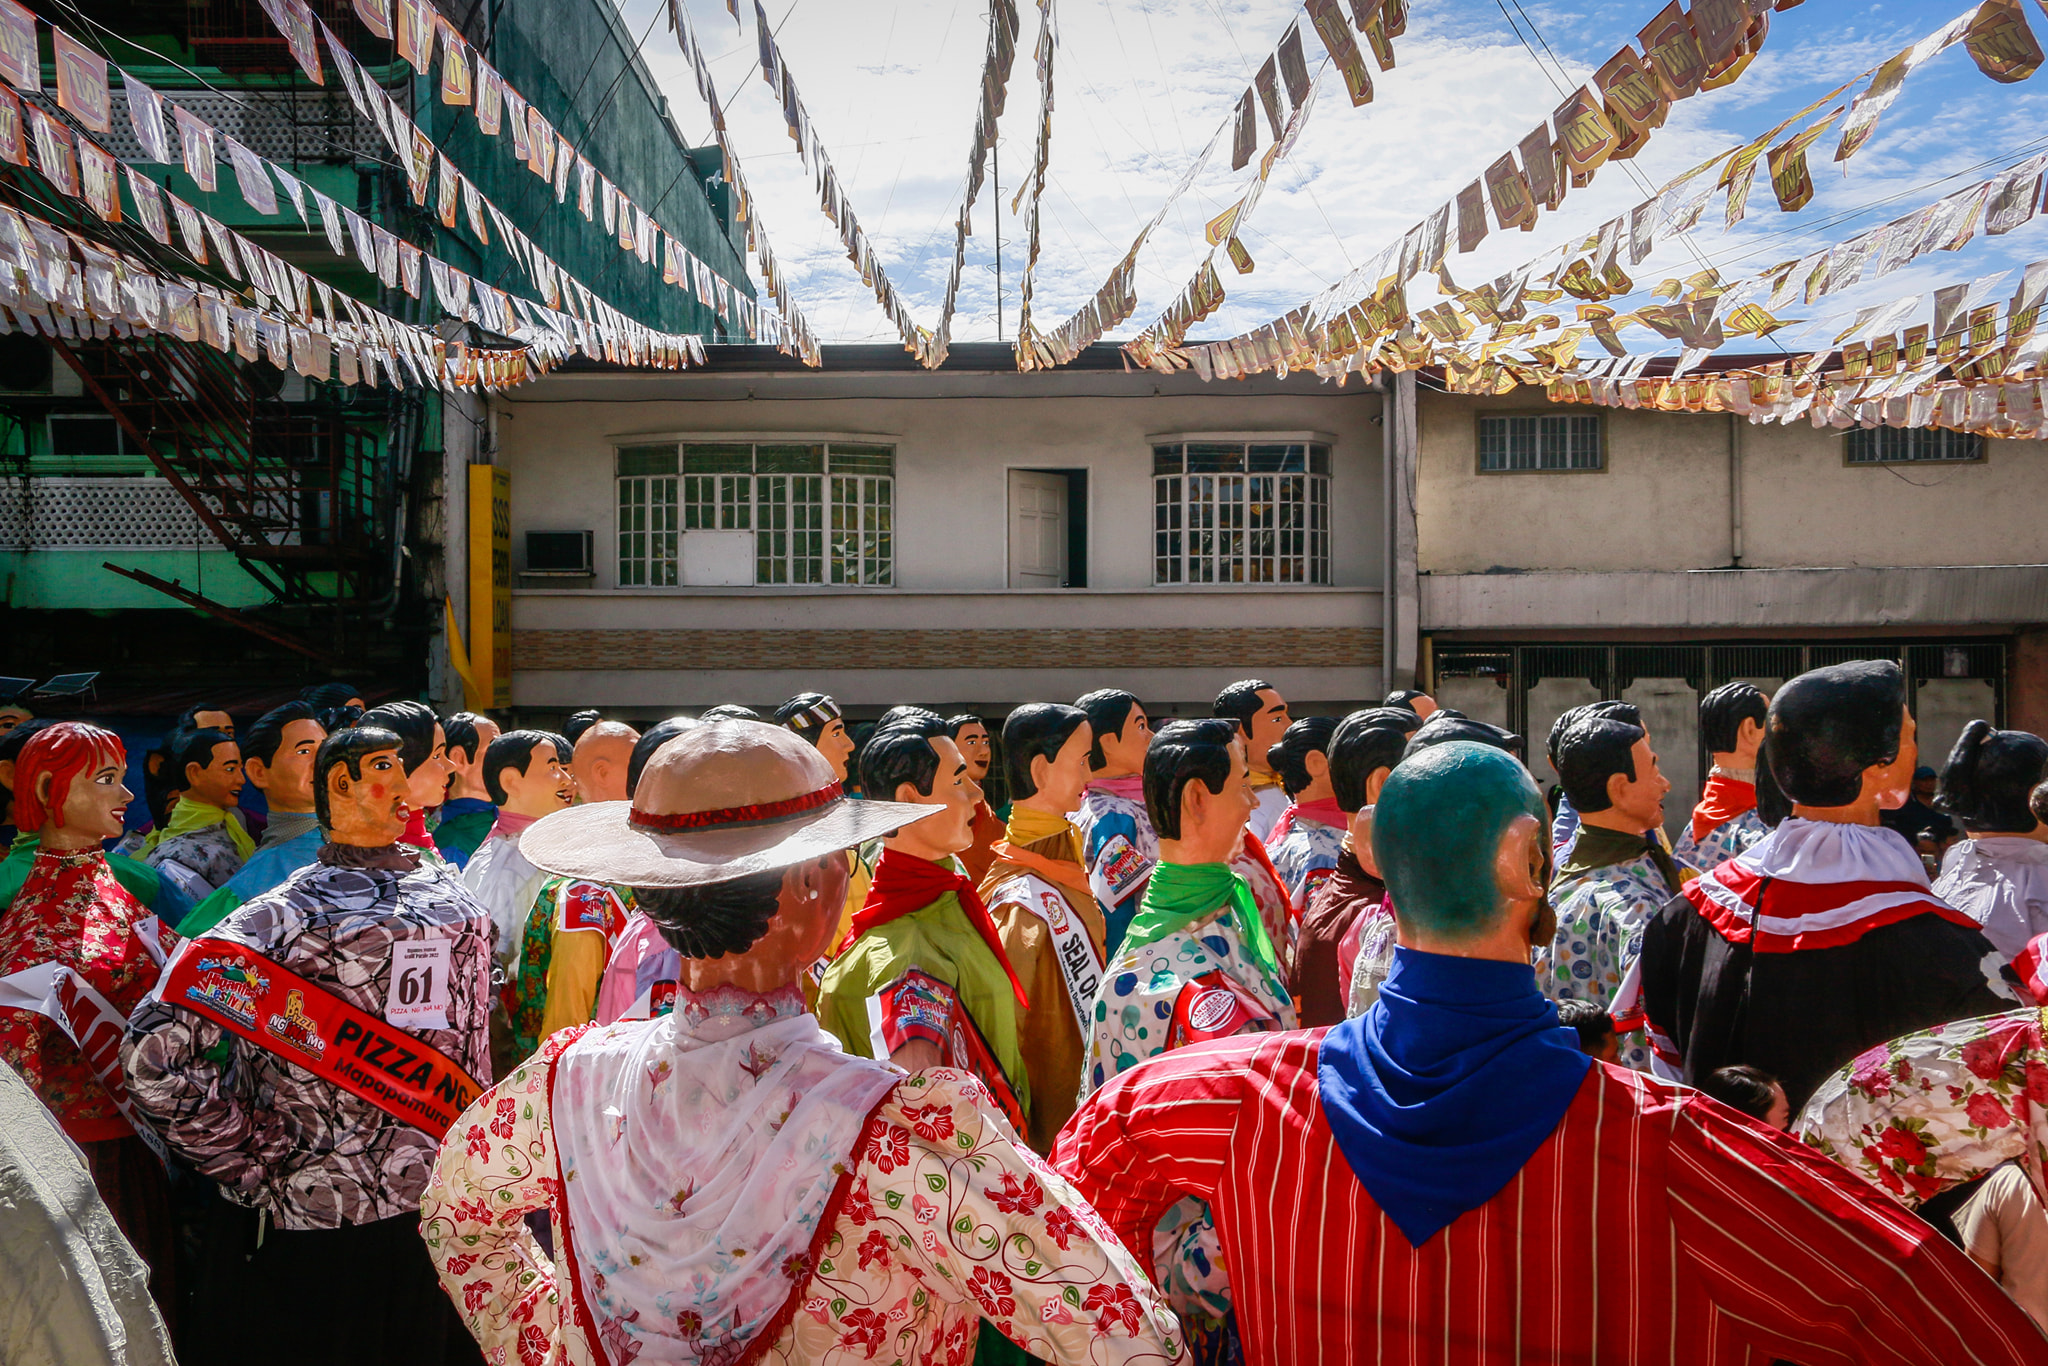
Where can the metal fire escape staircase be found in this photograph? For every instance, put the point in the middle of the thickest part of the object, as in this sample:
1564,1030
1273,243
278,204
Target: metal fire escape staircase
295,491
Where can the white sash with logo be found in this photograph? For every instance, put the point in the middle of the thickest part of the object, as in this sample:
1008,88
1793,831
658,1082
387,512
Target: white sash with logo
92,1024
1080,966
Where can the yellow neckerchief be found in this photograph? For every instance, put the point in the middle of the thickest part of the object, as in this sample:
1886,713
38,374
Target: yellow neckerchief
1261,781
189,817
1059,864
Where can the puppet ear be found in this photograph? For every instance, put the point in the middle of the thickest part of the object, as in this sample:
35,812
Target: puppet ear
1521,863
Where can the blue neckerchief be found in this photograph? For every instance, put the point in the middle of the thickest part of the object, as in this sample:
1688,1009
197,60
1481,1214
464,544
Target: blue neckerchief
1444,1090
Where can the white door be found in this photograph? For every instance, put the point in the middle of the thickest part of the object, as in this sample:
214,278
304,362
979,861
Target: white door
1038,529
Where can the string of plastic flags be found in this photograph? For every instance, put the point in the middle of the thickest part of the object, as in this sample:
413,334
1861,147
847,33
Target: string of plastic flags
77,167
929,345
794,333
1380,21
415,28
1364,321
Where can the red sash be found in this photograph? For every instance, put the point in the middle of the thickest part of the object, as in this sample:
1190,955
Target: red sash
304,1023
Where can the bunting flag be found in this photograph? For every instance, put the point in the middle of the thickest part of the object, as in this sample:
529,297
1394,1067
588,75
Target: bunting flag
1380,21
787,328
82,83
1034,184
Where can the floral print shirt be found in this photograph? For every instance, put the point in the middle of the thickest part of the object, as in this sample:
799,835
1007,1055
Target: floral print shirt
72,910
1935,1109
947,1219
273,1135
1721,843
1600,919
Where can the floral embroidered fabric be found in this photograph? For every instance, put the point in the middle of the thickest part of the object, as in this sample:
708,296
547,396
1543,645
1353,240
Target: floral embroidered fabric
71,910
944,1218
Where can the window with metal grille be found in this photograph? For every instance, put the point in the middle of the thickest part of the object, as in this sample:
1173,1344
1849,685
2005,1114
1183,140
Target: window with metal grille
647,516
1241,512
1912,445
1540,441
783,492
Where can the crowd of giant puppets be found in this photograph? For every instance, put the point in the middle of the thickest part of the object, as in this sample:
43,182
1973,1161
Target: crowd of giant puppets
1060,1036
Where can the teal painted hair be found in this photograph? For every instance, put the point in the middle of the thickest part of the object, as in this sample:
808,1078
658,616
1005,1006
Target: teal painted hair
1436,830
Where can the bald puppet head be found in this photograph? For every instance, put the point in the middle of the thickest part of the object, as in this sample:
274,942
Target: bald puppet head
600,760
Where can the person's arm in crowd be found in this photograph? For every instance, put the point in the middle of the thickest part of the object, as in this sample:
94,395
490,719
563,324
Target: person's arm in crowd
1016,1239
1806,1262
184,1077
1934,1109
496,1166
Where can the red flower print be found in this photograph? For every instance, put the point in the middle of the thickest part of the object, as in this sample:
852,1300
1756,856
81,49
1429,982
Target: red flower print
874,1248
1869,1073
477,1211
1117,1305
860,1206
958,1343
888,1148
533,1346
1015,1197
459,1266
689,1323
2037,1082
1986,1112
479,1143
796,1266
1062,1226
864,1327
933,1123
473,1296
507,1112
993,1291
1902,1146
1986,1057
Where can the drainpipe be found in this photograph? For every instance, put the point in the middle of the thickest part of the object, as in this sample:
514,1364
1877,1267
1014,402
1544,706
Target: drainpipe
1735,490
1400,614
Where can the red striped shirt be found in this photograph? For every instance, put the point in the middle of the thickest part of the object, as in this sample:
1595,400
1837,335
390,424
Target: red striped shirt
1652,1225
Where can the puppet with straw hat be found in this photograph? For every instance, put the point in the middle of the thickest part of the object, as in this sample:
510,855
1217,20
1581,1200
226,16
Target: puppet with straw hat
724,1182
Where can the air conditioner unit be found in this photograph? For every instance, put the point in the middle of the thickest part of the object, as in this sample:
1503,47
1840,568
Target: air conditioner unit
554,556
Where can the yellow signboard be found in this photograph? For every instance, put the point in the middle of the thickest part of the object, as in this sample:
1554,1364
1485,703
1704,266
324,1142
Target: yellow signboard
490,582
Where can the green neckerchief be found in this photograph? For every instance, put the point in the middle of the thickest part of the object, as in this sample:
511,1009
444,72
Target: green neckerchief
1181,893
188,817
1598,847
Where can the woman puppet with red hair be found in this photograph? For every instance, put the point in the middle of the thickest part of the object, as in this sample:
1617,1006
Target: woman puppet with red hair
72,934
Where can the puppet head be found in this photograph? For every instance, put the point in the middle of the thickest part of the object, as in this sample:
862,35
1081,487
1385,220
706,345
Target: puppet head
360,787
68,785
1460,835
1045,755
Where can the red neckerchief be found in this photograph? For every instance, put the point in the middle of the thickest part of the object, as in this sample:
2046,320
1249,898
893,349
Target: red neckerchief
905,883
1725,798
416,831
1323,810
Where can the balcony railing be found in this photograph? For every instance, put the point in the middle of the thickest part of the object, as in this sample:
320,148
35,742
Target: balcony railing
45,513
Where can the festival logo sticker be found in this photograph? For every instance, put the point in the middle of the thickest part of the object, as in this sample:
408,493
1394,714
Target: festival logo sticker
227,983
1213,1006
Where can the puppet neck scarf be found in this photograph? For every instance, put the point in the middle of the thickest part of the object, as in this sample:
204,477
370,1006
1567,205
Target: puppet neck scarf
1181,893
905,883
1447,1086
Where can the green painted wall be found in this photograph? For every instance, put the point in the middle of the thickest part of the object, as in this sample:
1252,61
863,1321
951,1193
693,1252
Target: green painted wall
76,579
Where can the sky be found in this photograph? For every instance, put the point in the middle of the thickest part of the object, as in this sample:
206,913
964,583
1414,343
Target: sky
1140,86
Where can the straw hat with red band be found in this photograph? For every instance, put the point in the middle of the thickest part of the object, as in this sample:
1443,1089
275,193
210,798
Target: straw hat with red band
718,802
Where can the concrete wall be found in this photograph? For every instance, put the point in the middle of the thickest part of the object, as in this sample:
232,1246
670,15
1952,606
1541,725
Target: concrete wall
956,436
1662,502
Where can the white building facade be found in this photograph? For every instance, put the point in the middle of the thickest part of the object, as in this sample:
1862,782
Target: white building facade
965,539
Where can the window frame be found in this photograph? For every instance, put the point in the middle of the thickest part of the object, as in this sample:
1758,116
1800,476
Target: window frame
1982,445
874,536
1593,411
1315,529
